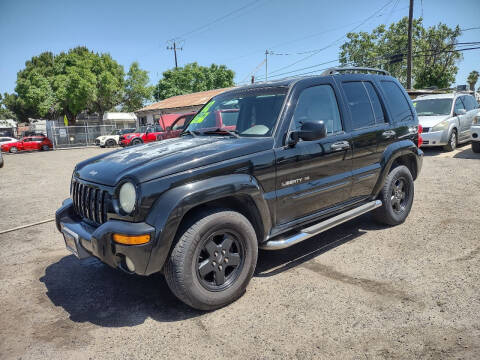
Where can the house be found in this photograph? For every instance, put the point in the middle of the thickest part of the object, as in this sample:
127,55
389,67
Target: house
120,119
176,104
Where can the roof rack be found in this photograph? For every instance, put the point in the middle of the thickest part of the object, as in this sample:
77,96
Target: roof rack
335,70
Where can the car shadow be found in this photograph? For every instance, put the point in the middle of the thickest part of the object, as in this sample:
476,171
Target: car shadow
435,151
91,291
271,263
467,153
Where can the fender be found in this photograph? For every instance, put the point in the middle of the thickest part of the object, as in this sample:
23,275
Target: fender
393,152
170,208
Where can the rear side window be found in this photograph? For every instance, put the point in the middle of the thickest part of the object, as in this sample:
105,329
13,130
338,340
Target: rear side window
470,102
397,102
359,104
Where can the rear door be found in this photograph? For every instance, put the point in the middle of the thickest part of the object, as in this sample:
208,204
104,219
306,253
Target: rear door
314,176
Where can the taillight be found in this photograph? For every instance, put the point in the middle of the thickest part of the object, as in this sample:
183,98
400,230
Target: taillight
420,139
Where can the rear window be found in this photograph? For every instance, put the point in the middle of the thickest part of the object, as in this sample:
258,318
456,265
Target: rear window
397,102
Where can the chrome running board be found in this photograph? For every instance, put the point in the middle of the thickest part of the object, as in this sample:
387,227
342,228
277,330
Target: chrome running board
313,230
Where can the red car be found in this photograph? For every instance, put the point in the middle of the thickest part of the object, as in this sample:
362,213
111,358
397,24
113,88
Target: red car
167,127
28,143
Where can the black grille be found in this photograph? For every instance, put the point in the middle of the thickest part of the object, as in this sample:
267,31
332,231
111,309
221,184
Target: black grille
89,202
122,138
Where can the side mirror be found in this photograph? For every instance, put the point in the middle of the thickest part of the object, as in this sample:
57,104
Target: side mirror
312,130
460,112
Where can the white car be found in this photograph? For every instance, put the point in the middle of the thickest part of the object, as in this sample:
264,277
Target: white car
475,130
113,138
446,118
6,140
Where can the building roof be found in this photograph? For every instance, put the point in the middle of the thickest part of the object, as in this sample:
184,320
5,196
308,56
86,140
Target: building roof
187,100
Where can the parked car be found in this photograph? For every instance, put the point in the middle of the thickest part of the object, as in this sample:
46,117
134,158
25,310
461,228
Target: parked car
446,118
7,139
475,131
28,143
306,154
113,138
160,131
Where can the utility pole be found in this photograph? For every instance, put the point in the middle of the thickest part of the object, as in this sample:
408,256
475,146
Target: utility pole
409,46
266,65
174,48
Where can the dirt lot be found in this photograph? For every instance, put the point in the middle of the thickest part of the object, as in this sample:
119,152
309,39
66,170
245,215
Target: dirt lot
359,291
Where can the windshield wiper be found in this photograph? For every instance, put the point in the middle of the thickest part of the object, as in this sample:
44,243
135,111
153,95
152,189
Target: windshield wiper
189,132
222,130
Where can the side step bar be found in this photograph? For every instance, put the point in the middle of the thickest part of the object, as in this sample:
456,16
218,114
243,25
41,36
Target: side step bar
313,230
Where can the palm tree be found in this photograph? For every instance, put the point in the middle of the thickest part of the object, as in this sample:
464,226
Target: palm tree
472,79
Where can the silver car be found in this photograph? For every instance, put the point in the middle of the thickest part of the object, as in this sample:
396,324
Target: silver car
446,118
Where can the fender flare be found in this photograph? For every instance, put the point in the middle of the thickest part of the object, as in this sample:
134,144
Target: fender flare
169,209
393,152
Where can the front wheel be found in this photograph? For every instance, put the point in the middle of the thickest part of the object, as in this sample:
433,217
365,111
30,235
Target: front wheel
110,143
213,261
13,150
452,142
397,197
136,141
476,147
45,148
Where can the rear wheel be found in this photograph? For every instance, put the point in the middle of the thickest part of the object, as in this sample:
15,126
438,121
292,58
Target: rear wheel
213,261
13,150
476,147
397,197
45,148
452,141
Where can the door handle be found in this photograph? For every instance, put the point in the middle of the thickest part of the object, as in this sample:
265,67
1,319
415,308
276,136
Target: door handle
340,145
389,133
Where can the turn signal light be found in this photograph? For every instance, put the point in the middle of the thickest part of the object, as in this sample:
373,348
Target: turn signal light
131,239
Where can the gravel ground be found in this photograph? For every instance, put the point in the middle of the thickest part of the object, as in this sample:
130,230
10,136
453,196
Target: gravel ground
358,291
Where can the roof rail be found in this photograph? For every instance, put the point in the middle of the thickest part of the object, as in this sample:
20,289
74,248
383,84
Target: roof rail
335,70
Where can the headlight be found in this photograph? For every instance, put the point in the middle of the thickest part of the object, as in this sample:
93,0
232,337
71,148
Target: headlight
127,197
441,126
476,120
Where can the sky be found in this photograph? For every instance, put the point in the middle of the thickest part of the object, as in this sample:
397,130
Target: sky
234,33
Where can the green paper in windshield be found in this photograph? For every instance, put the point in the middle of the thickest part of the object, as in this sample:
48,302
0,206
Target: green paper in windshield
414,104
202,114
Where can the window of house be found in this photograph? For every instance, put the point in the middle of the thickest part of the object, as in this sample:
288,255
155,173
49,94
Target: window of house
318,103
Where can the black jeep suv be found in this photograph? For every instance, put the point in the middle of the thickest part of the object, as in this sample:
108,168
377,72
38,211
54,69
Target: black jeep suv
299,156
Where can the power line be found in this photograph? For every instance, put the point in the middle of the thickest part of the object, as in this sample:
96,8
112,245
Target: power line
334,42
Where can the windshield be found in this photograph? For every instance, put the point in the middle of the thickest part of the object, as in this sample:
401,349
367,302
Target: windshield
252,112
431,107
115,132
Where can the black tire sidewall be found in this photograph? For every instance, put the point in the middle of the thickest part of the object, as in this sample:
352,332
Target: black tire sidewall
476,147
397,173
198,296
449,147
110,143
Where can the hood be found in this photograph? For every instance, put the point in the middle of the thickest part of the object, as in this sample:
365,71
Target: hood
429,121
162,158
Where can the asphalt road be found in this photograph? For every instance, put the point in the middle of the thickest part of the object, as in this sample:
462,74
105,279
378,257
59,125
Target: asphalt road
359,291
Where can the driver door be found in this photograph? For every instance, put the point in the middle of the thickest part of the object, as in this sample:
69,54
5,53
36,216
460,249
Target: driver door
463,119
314,175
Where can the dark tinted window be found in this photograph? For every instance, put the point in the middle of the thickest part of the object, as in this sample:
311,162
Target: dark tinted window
397,102
359,104
470,102
376,105
318,103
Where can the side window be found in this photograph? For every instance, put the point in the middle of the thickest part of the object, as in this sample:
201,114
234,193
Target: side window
359,104
469,102
179,124
458,105
397,102
318,103
376,105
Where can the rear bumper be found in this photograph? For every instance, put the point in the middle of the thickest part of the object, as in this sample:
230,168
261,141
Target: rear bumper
97,241
475,133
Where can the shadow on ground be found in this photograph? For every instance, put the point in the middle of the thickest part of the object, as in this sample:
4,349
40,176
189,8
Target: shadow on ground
93,292
467,153
438,150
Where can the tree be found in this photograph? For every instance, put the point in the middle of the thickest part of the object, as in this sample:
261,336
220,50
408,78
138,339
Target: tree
68,83
472,79
5,112
193,78
137,90
433,52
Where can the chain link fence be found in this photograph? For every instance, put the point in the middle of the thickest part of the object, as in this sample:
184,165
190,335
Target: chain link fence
74,136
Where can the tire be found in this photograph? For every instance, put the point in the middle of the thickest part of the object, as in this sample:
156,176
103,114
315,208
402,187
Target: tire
13,150
476,147
397,197
110,143
45,148
136,141
452,141
199,246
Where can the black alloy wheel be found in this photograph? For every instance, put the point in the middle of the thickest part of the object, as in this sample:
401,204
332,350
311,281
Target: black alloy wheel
399,195
219,260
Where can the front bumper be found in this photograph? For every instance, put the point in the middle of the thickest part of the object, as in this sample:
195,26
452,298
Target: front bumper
99,142
475,132
97,241
435,138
